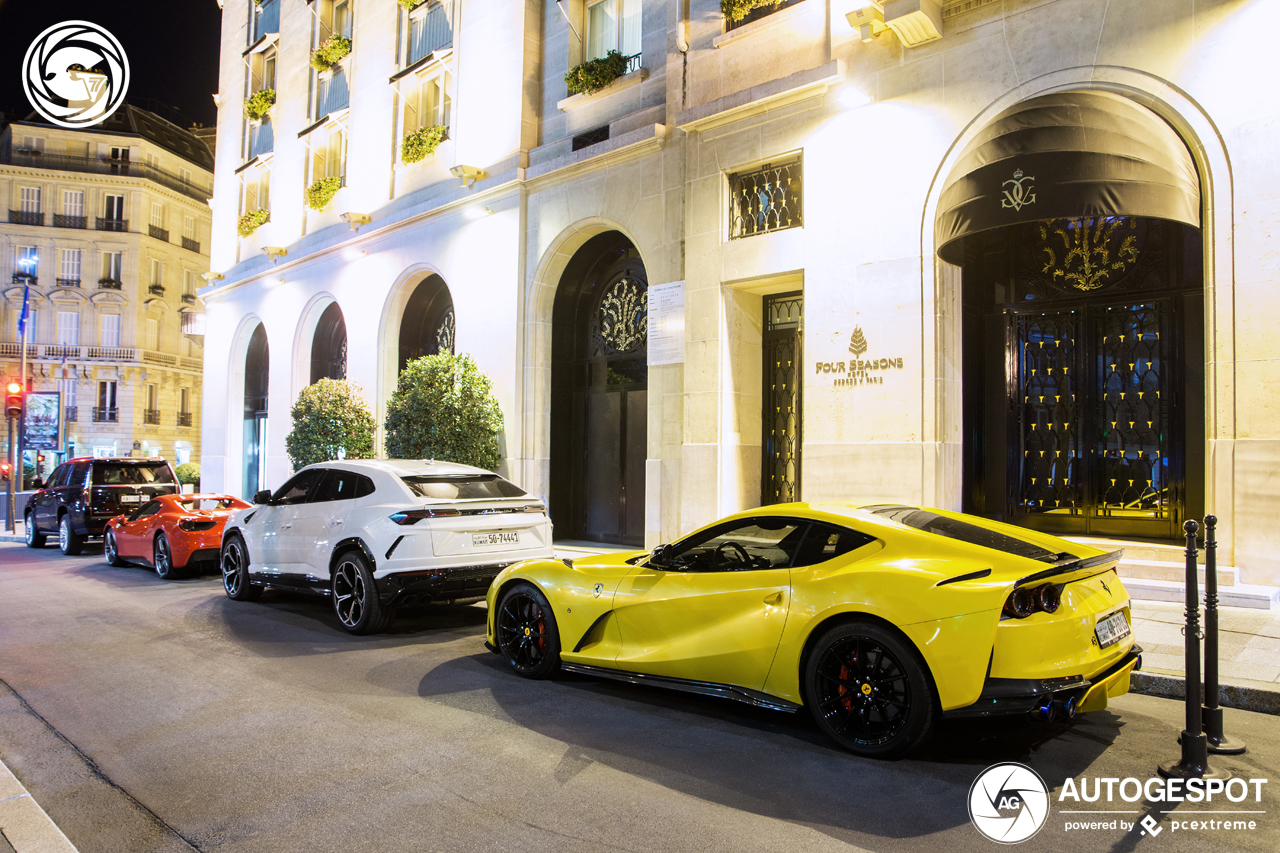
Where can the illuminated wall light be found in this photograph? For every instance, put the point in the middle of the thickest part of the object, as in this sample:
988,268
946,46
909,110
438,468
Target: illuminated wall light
851,97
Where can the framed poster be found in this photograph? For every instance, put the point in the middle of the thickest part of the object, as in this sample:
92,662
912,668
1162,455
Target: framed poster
41,422
666,323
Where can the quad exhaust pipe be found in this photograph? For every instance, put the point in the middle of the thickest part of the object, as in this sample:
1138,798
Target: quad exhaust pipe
1051,708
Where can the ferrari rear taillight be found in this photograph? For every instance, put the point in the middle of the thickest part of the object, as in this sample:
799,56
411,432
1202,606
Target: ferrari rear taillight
1022,602
413,516
1048,598
194,524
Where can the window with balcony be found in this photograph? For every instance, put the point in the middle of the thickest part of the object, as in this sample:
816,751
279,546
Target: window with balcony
68,328
27,267
68,389
28,212
428,103
189,286
430,29
118,161
156,227
109,330
255,199
112,270
69,270
33,144
106,410
614,25
113,218
328,163
72,215
259,134
333,24
766,199
156,287
151,414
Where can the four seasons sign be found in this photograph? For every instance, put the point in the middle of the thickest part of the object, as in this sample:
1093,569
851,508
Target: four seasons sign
859,370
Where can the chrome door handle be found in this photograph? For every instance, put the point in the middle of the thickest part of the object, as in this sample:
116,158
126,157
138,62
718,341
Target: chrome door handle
336,522
773,599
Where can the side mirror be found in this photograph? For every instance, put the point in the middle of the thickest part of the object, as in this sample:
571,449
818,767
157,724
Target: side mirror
659,555
262,497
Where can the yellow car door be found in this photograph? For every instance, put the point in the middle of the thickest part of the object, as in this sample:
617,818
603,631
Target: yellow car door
714,605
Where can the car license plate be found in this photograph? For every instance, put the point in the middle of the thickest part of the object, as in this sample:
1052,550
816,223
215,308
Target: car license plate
1112,630
131,499
481,540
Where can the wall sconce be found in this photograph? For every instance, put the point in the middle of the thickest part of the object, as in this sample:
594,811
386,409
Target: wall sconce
914,22
212,276
469,174
274,252
355,220
477,212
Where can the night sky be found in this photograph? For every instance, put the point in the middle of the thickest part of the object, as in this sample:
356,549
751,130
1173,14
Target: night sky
172,47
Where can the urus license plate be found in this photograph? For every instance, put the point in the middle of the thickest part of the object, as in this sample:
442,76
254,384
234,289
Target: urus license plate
131,499
1112,630
502,538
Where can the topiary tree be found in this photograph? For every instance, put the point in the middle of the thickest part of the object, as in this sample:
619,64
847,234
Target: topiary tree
188,474
444,408
330,421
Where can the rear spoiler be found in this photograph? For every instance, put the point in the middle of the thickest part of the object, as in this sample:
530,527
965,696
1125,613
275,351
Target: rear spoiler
1070,564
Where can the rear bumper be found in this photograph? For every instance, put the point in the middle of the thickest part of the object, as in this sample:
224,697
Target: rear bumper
1023,695
426,585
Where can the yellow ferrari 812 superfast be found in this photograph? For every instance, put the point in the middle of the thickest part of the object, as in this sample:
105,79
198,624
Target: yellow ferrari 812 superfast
880,618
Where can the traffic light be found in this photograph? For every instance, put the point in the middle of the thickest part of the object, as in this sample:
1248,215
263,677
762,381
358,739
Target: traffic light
13,400
5,468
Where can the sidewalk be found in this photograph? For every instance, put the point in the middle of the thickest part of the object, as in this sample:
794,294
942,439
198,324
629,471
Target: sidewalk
24,827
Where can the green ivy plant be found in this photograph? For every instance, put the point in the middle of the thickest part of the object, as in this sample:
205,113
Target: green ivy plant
322,192
331,420
258,105
422,143
330,52
251,221
188,474
594,74
736,10
410,5
443,408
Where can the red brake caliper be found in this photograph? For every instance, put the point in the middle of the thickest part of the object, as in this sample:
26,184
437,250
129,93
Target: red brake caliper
846,701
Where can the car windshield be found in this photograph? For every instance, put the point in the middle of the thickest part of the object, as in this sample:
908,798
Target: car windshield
481,487
132,475
952,528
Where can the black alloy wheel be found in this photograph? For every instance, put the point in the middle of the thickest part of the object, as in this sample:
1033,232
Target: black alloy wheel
235,571
525,629
69,542
35,539
869,690
163,559
355,597
111,549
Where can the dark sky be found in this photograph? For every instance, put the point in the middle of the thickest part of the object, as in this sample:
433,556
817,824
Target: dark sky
172,47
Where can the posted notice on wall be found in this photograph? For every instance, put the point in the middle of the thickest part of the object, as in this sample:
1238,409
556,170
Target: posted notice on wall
666,323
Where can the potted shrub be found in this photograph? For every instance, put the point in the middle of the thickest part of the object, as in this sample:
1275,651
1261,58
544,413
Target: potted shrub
422,143
736,10
443,408
251,221
410,5
331,420
320,193
595,74
109,283
258,105
188,474
330,52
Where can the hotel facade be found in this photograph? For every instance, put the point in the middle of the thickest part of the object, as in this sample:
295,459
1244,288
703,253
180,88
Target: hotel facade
1010,257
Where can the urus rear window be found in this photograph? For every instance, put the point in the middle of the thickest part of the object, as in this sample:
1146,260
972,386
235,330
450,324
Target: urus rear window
952,528
463,488
131,475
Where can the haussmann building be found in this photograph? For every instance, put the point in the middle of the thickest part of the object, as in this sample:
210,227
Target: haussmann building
1012,257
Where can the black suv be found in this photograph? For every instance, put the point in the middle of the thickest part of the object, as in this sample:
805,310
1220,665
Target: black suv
83,494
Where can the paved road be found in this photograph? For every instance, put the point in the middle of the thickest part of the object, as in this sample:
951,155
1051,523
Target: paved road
152,716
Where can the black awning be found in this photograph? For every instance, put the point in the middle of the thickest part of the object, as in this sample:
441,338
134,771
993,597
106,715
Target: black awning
1065,155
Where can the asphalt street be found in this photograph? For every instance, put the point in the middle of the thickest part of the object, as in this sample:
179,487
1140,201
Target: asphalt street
146,715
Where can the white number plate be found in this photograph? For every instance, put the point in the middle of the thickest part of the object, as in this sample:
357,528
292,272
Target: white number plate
1112,630
481,540
131,499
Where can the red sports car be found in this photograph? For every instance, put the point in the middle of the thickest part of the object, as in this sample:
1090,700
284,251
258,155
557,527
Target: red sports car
171,533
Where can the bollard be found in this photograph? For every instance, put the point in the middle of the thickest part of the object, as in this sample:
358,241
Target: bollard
1218,743
1195,746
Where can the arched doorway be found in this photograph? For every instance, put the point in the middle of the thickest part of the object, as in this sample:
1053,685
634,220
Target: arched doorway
329,346
257,363
427,325
1074,218
599,394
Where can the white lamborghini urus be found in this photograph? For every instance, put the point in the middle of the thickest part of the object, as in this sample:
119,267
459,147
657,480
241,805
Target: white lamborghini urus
376,535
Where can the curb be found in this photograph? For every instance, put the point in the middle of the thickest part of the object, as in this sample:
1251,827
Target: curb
1258,697
23,824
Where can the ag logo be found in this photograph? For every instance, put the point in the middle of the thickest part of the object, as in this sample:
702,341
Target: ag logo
75,74
1008,803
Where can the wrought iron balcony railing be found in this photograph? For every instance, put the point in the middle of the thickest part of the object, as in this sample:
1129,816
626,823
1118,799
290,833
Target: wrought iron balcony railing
184,419
158,232
108,224
72,413
68,282
767,199
156,289
109,284
633,63
62,220
151,416
105,166
25,278
104,415
189,298
191,245
25,217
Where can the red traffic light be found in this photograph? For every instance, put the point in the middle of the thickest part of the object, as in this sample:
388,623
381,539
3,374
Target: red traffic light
13,400
5,469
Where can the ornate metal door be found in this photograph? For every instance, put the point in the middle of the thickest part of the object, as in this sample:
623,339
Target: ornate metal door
782,349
